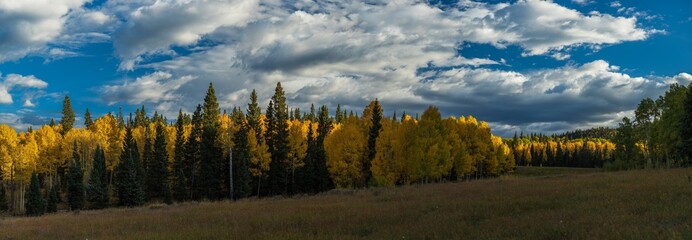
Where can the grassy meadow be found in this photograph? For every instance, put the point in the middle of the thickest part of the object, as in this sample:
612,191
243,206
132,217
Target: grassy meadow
536,203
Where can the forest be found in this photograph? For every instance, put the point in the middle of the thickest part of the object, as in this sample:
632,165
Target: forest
119,160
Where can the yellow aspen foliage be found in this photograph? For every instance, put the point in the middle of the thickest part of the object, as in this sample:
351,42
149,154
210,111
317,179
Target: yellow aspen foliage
110,138
48,141
86,140
407,151
26,157
8,145
260,158
297,142
386,171
345,150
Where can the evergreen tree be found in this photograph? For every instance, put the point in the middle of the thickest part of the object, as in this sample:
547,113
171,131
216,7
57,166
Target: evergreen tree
322,177
120,118
179,181
147,157
277,141
241,158
88,123
127,176
34,200
157,174
75,184
307,177
68,116
53,199
192,153
340,116
373,133
52,123
253,115
97,189
211,159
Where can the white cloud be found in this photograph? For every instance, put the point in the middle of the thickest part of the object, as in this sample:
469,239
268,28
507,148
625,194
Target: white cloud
348,52
582,2
153,88
28,25
14,81
591,94
153,28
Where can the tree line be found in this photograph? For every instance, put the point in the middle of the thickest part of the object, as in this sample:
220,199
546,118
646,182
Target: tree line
660,135
562,150
118,160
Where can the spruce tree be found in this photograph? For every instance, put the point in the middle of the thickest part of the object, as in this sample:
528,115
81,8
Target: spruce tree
211,155
277,141
68,116
323,180
34,201
253,115
157,174
97,190
179,181
340,116
127,176
147,153
193,153
307,177
53,199
88,123
373,133
75,184
241,158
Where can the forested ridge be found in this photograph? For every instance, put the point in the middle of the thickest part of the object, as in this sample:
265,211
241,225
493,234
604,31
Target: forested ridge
130,160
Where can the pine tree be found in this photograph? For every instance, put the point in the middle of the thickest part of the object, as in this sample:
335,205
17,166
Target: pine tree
147,155
192,154
52,123
34,200
340,116
127,176
374,132
180,192
75,184
277,141
157,174
253,115
97,189
88,123
211,159
53,199
241,158
322,179
68,116
307,177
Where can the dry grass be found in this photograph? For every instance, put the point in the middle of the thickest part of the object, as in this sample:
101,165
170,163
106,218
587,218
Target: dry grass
651,204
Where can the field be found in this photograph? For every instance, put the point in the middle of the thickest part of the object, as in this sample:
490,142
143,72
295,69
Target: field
536,203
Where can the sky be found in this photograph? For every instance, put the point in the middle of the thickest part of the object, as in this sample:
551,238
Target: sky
527,65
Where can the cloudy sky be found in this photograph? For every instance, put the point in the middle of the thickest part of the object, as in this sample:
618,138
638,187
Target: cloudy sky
536,66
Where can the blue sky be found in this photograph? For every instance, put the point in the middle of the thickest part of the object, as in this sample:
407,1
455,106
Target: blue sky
529,65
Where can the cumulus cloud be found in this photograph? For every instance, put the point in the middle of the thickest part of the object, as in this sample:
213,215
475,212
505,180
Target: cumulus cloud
27,26
548,100
348,52
16,81
155,87
153,28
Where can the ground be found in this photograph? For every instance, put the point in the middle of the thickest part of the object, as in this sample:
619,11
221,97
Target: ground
536,203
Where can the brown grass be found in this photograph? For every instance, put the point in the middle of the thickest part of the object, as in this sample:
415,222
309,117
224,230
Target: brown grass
647,204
